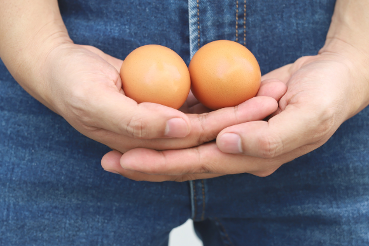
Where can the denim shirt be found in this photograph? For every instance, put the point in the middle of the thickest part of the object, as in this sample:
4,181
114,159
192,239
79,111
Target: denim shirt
277,32
53,190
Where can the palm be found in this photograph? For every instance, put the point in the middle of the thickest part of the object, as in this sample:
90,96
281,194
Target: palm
318,85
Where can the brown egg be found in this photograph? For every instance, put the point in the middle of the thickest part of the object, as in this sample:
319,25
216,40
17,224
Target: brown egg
157,74
224,74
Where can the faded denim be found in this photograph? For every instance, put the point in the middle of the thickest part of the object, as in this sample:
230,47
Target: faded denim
53,190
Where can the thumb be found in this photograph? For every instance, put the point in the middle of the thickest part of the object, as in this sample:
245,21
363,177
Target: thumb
122,115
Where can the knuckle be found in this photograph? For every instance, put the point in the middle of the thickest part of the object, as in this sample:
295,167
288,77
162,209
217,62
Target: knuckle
136,127
79,106
321,121
236,112
202,168
325,125
269,146
80,92
203,137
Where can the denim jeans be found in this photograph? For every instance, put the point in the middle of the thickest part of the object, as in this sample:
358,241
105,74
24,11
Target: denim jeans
53,190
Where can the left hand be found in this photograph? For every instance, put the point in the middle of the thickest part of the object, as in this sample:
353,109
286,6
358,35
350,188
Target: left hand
322,92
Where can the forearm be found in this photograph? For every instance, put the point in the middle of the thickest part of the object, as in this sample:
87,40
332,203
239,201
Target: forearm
350,23
29,31
348,37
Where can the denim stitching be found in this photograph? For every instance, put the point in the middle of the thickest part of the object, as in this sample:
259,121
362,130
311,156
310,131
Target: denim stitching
198,24
244,23
224,231
203,199
194,198
236,20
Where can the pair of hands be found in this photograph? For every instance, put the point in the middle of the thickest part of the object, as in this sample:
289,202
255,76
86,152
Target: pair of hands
305,103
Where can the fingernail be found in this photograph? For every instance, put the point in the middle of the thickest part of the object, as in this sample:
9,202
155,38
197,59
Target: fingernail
176,128
230,143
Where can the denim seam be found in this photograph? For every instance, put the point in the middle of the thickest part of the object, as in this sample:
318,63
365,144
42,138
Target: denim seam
194,200
226,239
203,199
244,23
198,24
236,20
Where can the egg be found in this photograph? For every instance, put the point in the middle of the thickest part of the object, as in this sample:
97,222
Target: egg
224,74
156,74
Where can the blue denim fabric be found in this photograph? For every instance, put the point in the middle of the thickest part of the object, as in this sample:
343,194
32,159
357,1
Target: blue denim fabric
54,192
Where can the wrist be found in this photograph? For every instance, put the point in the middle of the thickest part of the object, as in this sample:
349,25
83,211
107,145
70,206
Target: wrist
355,62
29,67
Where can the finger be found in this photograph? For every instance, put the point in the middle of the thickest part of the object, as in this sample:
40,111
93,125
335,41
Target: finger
272,88
205,127
283,74
249,110
255,108
204,159
138,176
283,133
161,162
111,163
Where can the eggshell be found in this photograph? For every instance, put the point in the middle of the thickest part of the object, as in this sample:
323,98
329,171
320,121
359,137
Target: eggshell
224,74
157,74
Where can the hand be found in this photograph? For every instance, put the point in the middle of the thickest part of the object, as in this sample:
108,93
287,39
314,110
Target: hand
323,91
85,88
256,108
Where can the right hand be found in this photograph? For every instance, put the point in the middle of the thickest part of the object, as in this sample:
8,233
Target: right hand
84,86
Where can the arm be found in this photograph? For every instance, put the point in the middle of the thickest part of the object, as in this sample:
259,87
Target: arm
29,31
83,85
322,92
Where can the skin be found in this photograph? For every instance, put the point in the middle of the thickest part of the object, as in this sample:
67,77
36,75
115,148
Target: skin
83,85
323,91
